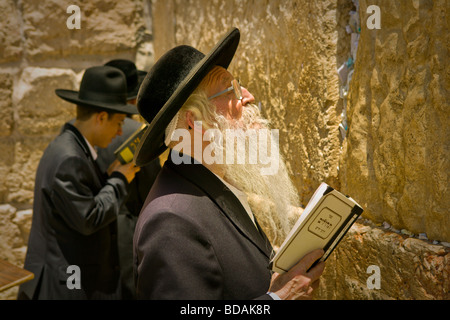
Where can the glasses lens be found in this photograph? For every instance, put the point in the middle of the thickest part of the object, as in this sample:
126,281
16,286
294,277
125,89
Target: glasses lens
237,88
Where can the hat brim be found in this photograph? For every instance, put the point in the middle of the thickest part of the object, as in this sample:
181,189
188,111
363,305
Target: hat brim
73,97
152,142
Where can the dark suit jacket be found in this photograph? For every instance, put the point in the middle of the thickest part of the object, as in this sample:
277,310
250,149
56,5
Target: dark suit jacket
194,240
141,184
74,223
129,211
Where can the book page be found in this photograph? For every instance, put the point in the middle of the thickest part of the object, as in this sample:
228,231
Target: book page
312,202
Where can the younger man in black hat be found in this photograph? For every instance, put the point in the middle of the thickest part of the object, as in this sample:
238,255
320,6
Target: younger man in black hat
139,187
72,247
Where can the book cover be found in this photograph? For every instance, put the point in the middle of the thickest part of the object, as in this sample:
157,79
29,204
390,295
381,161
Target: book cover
325,220
126,151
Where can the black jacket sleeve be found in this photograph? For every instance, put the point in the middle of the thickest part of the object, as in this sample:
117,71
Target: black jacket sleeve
74,199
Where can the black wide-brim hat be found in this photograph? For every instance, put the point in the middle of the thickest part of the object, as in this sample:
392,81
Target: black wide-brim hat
133,93
103,88
168,85
132,74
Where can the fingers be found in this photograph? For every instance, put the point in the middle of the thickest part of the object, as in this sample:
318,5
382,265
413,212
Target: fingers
304,266
132,166
311,289
315,272
301,280
113,166
308,260
128,170
315,285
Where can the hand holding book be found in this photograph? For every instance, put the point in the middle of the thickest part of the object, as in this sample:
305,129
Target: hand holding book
299,262
126,151
325,220
128,170
301,280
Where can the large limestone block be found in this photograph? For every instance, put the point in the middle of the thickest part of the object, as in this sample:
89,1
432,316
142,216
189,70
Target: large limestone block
10,237
6,108
19,180
23,220
406,267
395,161
40,110
6,162
286,58
14,229
10,37
106,27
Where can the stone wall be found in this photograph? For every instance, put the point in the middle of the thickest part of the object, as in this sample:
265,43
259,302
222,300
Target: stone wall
396,157
376,263
393,157
286,58
38,54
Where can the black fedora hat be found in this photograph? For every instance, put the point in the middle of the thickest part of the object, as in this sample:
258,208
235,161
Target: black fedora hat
169,83
103,88
133,75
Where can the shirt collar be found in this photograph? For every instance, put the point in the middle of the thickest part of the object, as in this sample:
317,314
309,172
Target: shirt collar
91,149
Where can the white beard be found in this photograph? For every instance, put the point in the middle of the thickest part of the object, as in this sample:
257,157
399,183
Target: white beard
272,198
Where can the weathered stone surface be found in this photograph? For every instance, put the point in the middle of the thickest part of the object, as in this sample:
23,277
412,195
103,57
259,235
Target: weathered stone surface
6,162
106,27
12,246
6,110
286,58
409,268
20,178
40,110
10,38
40,115
11,238
23,221
34,40
395,160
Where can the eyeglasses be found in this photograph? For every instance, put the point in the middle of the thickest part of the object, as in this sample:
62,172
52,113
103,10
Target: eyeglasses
235,86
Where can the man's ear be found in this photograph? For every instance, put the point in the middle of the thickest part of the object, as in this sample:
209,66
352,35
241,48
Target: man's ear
190,119
101,117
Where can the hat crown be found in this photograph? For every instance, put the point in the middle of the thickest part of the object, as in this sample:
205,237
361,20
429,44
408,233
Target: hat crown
129,69
104,84
102,88
164,78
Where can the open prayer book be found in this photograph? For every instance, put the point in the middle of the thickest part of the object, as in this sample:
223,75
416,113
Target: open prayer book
325,220
125,152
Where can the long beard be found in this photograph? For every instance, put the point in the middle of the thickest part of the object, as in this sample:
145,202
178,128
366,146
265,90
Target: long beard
272,197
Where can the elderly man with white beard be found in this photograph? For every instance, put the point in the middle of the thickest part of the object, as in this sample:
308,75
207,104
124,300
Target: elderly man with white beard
198,235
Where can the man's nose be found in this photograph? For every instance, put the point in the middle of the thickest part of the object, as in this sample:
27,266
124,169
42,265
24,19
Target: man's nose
247,97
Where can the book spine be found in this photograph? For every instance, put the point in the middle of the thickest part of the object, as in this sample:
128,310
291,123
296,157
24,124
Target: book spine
328,190
334,241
